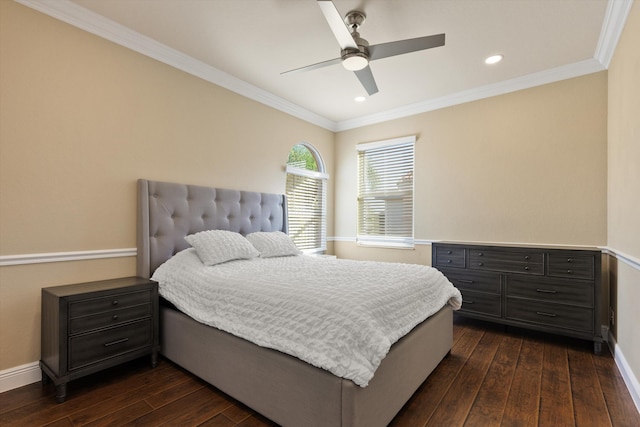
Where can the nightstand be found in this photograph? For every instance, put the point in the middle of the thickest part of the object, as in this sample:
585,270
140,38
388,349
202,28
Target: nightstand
87,327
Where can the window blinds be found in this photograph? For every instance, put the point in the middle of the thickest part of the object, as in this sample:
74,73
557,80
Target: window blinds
385,192
306,192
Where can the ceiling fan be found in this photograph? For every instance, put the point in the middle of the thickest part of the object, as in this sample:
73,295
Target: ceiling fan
356,53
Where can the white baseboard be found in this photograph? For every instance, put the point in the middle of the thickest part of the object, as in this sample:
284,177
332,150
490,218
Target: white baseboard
627,374
19,376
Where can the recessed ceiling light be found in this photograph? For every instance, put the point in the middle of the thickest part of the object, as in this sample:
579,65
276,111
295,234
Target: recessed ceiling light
359,99
493,59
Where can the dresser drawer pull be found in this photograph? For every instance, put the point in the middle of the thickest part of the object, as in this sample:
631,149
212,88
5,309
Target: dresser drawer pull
115,302
480,264
480,254
448,252
569,260
449,261
526,269
569,271
547,291
115,317
527,257
542,313
109,344
465,281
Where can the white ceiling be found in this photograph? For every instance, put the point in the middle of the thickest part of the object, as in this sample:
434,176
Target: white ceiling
244,45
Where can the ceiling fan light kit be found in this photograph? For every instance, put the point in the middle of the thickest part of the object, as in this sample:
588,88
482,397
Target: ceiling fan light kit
355,52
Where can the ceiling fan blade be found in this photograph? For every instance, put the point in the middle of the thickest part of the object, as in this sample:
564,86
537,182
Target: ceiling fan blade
338,27
384,50
366,78
314,66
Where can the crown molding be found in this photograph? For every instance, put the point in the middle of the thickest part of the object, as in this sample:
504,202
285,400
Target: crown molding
73,14
612,26
531,80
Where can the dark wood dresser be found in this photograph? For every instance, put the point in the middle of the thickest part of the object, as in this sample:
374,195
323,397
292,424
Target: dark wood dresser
87,327
551,290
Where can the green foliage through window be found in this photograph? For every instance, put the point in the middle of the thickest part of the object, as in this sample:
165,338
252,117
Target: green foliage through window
301,157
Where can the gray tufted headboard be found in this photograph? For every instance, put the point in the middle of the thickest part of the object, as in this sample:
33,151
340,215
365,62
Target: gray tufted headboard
167,212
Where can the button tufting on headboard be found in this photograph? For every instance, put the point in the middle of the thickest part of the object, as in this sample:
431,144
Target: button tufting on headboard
167,212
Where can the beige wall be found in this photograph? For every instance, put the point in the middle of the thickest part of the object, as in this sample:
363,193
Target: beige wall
526,167
624,188
81,119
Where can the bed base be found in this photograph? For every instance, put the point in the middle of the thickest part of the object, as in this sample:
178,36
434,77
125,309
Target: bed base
294,393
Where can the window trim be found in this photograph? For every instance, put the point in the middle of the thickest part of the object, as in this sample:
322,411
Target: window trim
396,242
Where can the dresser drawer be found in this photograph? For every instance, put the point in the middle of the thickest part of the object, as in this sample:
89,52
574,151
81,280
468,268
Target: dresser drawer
550,290
111,302
513,261
577,266
109,318
555,315
449,256
476,302
95,347
479,281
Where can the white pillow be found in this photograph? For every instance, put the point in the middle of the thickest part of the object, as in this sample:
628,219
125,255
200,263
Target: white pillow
218,246
273,244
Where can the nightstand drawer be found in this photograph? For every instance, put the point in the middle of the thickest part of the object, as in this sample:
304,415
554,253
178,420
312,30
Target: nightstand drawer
111,302
555,315
475,302
478,281
109,318
571,265
95,347
550,290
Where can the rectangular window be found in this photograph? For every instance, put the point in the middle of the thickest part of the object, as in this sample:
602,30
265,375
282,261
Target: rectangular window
306,205
385,192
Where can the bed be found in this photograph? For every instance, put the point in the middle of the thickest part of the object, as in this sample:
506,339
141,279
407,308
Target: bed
283,388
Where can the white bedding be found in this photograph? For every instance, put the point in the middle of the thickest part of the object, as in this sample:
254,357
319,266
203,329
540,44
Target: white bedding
339,315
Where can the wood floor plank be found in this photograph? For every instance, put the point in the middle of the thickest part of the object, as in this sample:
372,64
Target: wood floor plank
456,403
122,416
157,382
556,400
522,405
619,402
186,407
590,408
218,421
489,405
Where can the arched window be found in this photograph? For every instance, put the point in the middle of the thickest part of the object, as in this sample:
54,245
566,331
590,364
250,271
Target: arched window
307,198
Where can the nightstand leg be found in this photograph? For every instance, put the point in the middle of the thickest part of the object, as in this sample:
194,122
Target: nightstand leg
61,392
154,359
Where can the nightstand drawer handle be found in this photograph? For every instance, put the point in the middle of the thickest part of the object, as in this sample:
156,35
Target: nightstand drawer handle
526,269
547,291
480,264
115,317
542,313
448,252
115,302
449,261
108,344
569,271
569,260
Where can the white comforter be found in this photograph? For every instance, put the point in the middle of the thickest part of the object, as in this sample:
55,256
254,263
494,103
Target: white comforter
339,315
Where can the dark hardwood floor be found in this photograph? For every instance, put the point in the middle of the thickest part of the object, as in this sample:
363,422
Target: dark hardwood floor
492,377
